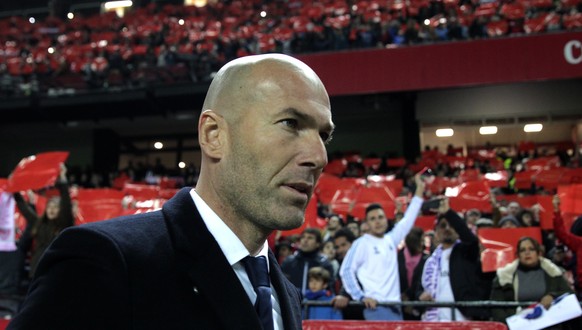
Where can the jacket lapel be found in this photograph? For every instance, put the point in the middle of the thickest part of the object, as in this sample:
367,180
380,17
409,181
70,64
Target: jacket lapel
288,294
200,256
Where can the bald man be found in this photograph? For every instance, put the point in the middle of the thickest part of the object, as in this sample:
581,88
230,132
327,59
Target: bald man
263,129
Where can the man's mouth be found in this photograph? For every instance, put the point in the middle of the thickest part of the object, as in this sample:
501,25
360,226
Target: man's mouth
301,187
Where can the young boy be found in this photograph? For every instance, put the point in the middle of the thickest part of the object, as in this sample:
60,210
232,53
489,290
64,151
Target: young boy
318,290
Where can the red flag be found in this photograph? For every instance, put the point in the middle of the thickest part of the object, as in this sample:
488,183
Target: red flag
37,171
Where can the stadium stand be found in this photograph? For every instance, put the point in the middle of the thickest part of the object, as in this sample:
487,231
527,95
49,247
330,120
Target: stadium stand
173,43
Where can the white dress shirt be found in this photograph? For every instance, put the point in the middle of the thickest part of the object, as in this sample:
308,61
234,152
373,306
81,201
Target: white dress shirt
234,251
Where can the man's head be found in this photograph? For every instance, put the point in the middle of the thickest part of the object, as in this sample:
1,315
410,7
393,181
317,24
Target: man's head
513,209
318,278
262,132
508,221
342,241
445,233
310,240
354,227
334,222
472,216
376,219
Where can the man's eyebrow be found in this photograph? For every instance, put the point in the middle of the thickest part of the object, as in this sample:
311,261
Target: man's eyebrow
305,117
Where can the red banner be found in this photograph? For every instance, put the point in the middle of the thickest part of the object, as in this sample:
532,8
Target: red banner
98,204
36,172
453,64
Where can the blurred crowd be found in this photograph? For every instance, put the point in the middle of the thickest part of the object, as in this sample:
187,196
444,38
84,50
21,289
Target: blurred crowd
170,43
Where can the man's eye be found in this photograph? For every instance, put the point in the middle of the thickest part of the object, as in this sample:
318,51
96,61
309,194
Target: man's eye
291,123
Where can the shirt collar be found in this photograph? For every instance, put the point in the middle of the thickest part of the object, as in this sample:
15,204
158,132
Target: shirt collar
232,247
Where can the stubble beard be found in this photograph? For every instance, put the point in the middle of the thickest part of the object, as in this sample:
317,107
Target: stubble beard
249,200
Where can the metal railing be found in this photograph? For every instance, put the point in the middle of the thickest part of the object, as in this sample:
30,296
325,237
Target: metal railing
489,304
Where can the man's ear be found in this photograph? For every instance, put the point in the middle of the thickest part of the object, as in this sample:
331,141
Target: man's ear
212,134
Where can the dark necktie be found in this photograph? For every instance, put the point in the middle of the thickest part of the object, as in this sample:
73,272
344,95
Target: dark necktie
259,275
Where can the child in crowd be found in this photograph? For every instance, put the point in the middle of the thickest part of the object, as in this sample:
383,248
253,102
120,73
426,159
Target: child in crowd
318,290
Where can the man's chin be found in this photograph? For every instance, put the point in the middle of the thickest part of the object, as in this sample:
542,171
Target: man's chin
290,224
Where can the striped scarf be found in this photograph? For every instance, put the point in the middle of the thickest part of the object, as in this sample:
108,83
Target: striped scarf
430,280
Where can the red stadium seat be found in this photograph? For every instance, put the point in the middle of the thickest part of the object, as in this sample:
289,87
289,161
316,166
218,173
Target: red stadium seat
390,182
328,186
487,9
496,179
524,179
572,22
512,11
336,167
542,3
371,163
543,163
497,28
540,23
141,191
470,175
567,4
396,162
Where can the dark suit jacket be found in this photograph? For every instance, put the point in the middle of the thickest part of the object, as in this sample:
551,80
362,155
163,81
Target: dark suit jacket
159,270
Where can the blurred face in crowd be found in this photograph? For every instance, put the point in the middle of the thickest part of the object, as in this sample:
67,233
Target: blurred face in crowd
342,245
513,208
263,129
527,219
52,208
472,218
508,224
528,254
316,284
284,252
334,223
376,220
329,250
355,228
445,234
308,243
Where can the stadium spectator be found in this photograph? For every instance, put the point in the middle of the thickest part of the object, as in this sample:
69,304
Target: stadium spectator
246,190
334,223
308,255
57,216
328,250
509,221
283,249
354,226
531,277
513,209
527,218
453,271
471,217
571,238
370,270
343,240
13,277
411,261
319,279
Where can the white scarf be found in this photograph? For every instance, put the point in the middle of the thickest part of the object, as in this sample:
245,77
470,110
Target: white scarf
430,280
6,222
